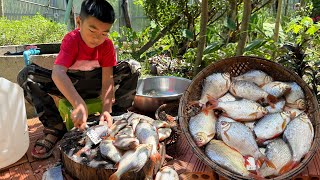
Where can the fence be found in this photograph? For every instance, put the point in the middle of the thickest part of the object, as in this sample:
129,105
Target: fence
55,10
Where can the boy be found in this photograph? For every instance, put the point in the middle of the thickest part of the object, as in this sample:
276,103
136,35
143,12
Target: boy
85,68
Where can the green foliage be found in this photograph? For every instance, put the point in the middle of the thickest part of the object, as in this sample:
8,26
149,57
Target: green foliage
36,29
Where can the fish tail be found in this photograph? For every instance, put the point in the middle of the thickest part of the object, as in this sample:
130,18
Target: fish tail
267,161
290,165
272,100
155,157
114,176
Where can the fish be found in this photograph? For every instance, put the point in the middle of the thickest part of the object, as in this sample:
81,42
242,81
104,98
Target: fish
202,127
271,126
164,133
250,124
299,135
278,152
218,126
227,157
241,138
239,110
277,107
249,90
295,98
128,130
147,134
131,116
125,142
258,77
99,130
108,150
276,88
227,97
132,160
215,85
167,173
116,127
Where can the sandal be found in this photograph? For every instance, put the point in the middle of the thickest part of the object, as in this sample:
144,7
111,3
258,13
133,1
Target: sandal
52,136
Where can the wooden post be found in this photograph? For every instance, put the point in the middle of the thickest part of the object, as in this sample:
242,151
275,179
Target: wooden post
1,9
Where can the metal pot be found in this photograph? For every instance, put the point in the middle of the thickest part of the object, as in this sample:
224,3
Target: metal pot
154,91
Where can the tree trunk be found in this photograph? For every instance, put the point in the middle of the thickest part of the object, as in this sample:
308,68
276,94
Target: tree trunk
277,24
125,9
244,27
1,9
202,36
149,44
286,8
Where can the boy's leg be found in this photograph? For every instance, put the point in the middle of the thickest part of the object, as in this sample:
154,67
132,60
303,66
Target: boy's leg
37,84
126,74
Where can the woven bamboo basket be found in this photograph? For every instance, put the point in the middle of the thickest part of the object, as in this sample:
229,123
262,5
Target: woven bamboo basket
236,66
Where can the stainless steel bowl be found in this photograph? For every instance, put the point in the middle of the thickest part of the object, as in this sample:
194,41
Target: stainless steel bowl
154,91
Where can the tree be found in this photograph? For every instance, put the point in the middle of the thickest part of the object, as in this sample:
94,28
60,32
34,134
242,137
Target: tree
202,35
125,10
244,27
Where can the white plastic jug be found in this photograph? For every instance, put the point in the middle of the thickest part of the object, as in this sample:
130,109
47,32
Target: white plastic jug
14,136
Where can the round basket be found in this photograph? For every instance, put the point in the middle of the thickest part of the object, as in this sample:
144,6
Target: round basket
236,66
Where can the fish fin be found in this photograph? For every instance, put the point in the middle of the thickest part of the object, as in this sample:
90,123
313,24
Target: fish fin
227,136
267,161
293,115
114,176
271,99
170,118
155,157
254,115
214,102
284,125
287,167
260,141
246,161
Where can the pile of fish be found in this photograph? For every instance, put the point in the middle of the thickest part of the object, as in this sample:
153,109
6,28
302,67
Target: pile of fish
252,118
129,143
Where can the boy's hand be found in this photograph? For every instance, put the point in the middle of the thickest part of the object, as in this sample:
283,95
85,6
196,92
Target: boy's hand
105,116
79,117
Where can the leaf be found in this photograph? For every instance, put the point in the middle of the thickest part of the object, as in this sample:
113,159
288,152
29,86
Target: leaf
297,28
153,24
187,34
307,21
255,44
211,48
231,24
312,30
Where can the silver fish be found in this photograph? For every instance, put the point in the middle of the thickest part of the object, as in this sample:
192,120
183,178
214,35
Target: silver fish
128,130
125,142
167,173
240,110
160,124
116,127
132,160
295,98
147,134
164,133
276,88
256,76
218,125
202,127
240,137
227,97
215,85
271,126
249,90
108,150
226,157
278,152
277,107
299,135
250,124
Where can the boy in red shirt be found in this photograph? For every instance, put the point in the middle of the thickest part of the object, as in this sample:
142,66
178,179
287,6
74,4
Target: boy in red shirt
85,67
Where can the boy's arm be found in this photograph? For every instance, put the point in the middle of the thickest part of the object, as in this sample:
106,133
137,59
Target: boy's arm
107,93
62,81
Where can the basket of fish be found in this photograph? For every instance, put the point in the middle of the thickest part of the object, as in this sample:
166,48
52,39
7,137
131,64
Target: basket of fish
250,118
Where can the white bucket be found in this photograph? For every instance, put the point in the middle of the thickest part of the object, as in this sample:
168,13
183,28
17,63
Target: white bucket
14,136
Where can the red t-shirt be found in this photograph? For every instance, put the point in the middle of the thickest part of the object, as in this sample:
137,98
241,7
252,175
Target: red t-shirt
76,55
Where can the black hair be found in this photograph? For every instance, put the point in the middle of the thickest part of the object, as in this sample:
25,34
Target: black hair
100,9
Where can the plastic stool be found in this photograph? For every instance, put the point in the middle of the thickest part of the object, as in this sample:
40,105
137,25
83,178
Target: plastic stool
65,109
